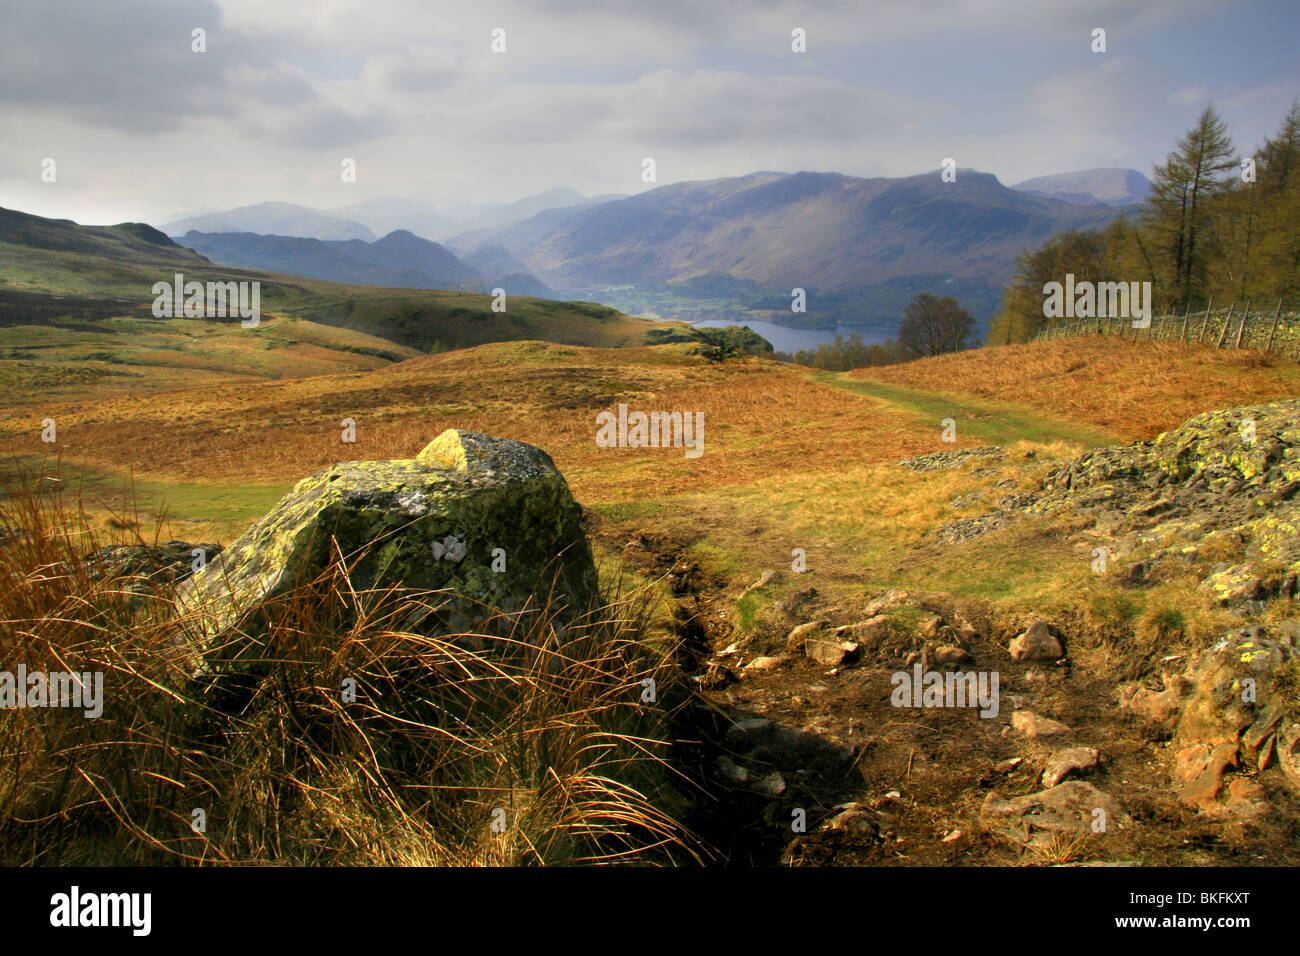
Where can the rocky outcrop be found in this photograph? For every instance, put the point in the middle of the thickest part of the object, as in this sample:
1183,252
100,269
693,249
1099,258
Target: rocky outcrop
488,523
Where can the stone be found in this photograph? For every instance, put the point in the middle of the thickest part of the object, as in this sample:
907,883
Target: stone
763,581
1063,763
436,522
885,601
950,654
831,653
794,641
1068,808
1037,643
1031,725
764,663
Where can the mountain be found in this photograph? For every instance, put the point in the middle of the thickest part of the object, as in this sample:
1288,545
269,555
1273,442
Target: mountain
80,298
125,242
560,197
859,247
273,218
400,259
1107,186
427,219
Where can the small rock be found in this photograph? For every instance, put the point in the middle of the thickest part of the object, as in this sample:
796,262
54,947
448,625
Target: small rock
884,602
1006,766
1032,725
1062,763
952,837
831,653
1038,643
951,654
795,639
773,785
763,664
730,772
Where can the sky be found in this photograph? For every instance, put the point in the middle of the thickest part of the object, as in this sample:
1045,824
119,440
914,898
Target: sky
143,128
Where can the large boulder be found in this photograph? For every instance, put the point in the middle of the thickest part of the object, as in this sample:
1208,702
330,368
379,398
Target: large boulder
489,522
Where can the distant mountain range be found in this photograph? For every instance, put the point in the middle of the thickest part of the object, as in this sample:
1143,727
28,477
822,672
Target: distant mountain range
370,218
400,259
730,248
735,248
273,219
1109,187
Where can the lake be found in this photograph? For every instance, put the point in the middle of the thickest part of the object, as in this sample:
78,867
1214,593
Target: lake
785,339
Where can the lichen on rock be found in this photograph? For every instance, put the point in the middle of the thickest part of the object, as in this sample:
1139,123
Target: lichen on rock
488,523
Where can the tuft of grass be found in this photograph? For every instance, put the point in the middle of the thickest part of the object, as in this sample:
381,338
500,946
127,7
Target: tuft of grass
327,732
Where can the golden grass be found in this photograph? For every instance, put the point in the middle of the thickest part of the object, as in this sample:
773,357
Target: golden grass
439,744
1136,390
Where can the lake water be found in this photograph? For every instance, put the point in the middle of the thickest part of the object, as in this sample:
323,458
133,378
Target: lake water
785,339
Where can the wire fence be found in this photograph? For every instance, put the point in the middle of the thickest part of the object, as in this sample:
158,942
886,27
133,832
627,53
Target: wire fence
1239,325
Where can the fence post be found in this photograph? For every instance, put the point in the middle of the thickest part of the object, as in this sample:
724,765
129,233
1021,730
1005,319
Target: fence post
1242,331
1186,315
1276,315
1226,322
1201,338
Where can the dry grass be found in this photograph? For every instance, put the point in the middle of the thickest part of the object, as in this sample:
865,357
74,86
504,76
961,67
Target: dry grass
1135,390
439,743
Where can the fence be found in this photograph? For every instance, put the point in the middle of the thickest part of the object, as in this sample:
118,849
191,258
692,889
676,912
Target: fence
1240,325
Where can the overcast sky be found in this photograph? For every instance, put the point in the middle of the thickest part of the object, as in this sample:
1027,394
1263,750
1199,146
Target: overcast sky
141,128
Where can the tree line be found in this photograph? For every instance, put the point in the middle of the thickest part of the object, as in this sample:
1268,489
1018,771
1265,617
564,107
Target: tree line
1217,226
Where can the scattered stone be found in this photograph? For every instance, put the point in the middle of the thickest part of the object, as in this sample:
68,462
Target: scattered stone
950,655
1062,763
763,664
1031,725
939,460
794,641
1008,765
831,653
952,837
730,772
1068,808
1037,643
773,785
885,601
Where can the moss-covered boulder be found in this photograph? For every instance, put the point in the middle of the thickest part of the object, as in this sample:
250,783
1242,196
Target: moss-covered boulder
489,523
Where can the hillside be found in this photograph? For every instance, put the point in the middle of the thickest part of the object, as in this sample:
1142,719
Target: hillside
82,295
912,546
849,242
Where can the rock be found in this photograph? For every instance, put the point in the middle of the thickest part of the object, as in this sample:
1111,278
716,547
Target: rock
952,837
1031,725
1161,707
885,601
950,655
865,632
1037,643
1235,713
831,653
759,664
729,772
1234,585
141,567
854,817
773,785
429,523
1069,808
928,626
938,460
763,581
794,641
1062,763
1008,765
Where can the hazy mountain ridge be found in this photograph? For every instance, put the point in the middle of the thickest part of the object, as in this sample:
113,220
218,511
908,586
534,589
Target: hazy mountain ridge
1107,186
